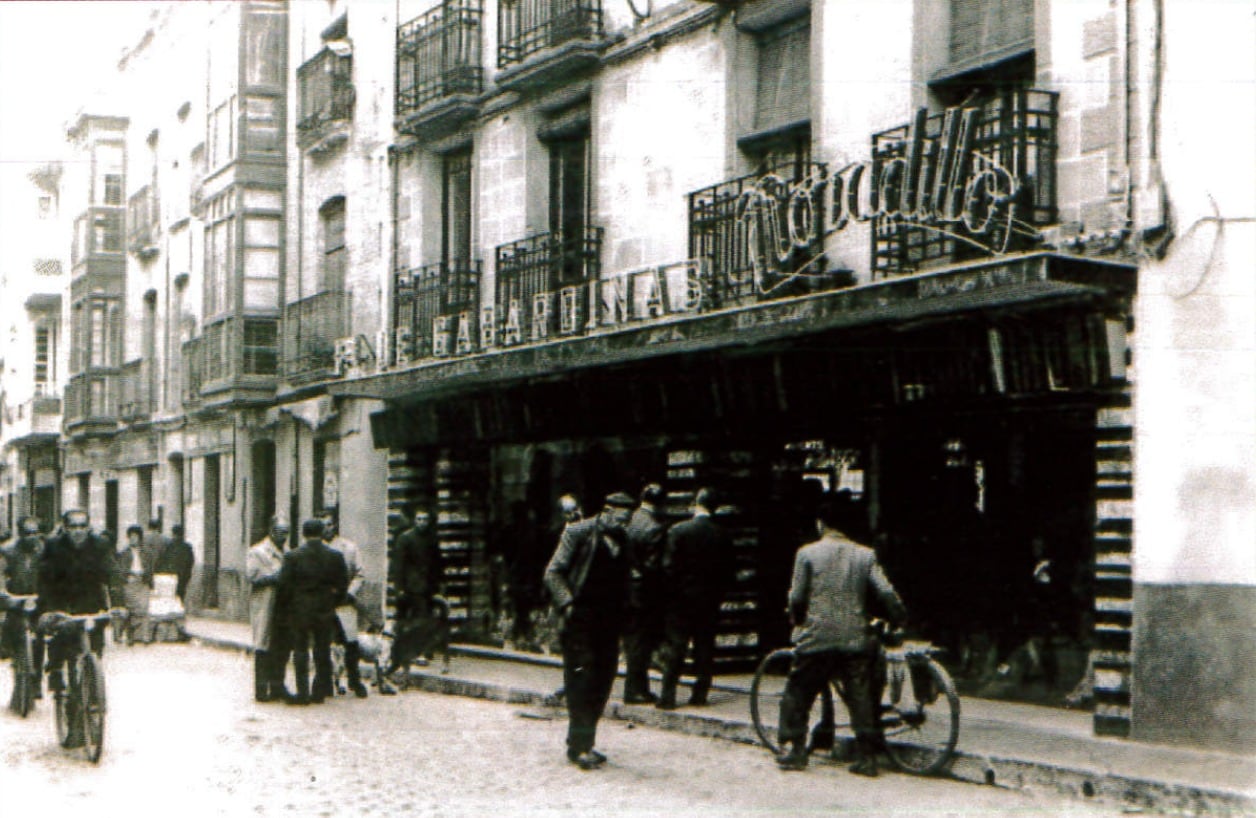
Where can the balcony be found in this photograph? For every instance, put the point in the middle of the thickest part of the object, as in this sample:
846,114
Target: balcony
192,376
439,68
99,244
1013,136
757,237
133,392
541,284
91,402
325,86
541,42
311,328
436,311
143,222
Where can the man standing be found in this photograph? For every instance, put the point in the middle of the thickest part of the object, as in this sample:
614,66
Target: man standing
833,637
176,558
348,612
312,582
697,567
262,565
416,578
587,579
74,576
135,565
20,575
643,630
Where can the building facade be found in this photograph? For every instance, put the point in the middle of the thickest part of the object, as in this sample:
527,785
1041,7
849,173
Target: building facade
952,259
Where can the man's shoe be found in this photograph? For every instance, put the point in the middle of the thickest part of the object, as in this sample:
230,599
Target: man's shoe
359,690
585,760
697,701
640,698
865,767
601,757
74,739
298,699
317,699
793,760
386,689
665,704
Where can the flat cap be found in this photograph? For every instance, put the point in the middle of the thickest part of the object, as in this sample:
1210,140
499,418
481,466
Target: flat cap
620,500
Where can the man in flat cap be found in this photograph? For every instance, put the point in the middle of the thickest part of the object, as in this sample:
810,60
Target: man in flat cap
588,581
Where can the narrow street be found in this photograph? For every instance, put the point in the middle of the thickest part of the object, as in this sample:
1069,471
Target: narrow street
185,738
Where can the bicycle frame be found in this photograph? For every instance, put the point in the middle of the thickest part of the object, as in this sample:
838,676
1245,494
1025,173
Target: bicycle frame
80,703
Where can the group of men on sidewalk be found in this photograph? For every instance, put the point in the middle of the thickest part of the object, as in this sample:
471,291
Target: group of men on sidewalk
304,599
625,568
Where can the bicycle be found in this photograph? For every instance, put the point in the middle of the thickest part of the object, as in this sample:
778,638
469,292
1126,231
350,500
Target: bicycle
25,678
80,702
919,708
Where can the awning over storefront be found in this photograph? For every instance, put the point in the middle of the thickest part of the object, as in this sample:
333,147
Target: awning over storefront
1035,279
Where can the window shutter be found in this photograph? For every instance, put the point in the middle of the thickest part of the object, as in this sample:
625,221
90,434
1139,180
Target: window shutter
783,95
981,27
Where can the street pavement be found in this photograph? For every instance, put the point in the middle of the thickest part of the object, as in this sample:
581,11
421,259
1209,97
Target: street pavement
184,738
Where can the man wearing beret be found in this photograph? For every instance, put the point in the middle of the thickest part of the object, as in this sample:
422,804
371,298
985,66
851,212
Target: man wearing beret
588,581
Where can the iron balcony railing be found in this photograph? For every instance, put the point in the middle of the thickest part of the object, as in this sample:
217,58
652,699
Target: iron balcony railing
439,55
142,220
228,350
742,227
133,391
532,275
1016,131
435,306
525,27
311,328
326,95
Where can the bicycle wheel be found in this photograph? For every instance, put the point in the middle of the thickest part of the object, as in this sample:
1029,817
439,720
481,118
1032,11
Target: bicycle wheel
922,727
24,681
92,688
765,693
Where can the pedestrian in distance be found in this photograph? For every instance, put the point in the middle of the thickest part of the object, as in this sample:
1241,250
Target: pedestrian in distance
262,566
312,583
697,568
135,563
833,636
422,614
351,614
178,558
588,580
643,627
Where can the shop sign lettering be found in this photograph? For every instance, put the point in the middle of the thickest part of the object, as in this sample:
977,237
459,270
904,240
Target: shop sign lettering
939,184
989,278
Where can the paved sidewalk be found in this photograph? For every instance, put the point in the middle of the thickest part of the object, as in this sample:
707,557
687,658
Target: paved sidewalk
1001,743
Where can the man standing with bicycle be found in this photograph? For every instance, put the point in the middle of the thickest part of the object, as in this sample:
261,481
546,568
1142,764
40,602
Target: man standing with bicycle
833,636
21,576
74,576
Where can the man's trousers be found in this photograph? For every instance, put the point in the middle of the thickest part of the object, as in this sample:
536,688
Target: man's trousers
315,633
810,672
590,660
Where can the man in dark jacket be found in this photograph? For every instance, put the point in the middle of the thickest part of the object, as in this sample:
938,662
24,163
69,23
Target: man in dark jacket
698,568
643,628
176,558
587,579
20,575
312,582
828,606
74,577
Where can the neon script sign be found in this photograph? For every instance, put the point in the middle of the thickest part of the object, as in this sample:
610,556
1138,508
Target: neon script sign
934,183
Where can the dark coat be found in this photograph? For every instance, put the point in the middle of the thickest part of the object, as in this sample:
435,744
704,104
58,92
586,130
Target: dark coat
698,564
647,539
416,564
73,578
569,567
21,565
312,582
176,558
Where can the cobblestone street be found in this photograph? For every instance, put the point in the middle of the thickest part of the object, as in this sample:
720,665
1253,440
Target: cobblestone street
185,738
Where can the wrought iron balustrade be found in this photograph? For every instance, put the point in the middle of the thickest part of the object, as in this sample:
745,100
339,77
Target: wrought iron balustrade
439,55
311,328
435,305
142,220
326,94
525,27
742,227
1014,132
541,283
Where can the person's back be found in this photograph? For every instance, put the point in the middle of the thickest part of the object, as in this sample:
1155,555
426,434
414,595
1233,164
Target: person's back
833,595
698,561
314,578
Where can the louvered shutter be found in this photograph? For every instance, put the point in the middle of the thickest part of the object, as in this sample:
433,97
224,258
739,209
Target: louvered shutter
783,94
987,27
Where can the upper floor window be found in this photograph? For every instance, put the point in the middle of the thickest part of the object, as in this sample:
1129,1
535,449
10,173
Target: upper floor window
332,228
456,196
569,196
987,30
107,232
44,360
783,78
45,207
220,245
221,136
265,50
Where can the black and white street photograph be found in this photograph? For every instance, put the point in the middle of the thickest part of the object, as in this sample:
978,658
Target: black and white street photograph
697,408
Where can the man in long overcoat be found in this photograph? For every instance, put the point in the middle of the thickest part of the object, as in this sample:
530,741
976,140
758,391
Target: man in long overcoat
262,565
312,582
643,629
698,568
588,581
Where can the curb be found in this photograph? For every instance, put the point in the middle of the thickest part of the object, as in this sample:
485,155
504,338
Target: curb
1094,786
